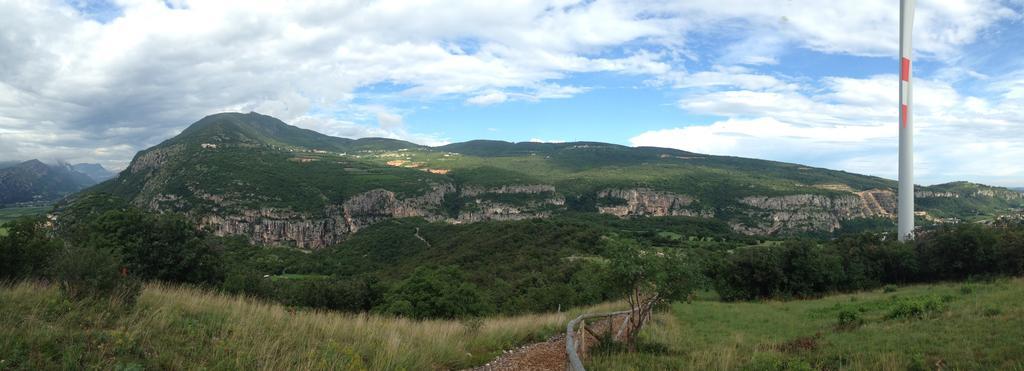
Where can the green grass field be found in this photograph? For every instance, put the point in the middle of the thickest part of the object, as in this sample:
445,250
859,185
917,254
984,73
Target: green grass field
12,213
972,326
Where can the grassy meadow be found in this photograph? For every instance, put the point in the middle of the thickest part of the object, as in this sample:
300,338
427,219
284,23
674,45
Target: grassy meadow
186,328
970,326
11,213
953,326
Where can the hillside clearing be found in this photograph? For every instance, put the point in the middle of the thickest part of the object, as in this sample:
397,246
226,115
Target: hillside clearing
183,328
11,213
966,326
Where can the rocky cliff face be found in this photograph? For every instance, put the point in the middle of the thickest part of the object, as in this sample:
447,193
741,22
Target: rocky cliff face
647,202
932,194
472,191
284,227
809,212
270,226
486,204
978,193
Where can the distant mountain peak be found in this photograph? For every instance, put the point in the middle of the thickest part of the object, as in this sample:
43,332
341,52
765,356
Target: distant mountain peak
257,129
34,180
97,172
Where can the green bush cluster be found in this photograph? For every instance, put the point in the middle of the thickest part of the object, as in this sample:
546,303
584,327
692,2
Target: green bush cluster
849,319
807,268
915,308
88,273
83,273
26,250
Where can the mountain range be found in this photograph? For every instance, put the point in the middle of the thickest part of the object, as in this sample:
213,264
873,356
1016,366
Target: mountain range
255,176
35,181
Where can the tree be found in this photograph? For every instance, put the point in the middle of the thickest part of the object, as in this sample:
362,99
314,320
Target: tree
27,249
163,247
648,277
749,273
955,252
90,273
435,293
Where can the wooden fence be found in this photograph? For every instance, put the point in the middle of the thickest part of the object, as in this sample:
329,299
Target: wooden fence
576,339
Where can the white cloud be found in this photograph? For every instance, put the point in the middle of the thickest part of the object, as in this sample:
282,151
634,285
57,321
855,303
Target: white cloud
349,129
389,121
488,98
79,89
851,125
144,75
864,27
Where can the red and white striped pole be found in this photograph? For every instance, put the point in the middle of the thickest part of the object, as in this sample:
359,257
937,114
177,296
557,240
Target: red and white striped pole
905,198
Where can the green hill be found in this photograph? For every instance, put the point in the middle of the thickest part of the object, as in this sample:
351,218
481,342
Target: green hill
253,175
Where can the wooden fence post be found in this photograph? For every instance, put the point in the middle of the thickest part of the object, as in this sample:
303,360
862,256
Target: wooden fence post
583,339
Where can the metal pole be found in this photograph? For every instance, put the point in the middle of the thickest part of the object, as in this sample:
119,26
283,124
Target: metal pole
906,187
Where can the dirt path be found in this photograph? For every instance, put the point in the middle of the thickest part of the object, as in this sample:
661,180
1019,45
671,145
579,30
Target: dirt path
421,237
547,355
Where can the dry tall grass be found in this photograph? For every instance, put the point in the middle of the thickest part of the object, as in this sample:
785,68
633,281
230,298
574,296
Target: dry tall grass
184,328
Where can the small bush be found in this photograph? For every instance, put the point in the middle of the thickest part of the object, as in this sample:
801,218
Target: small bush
991,312
915,308
85,273
848,320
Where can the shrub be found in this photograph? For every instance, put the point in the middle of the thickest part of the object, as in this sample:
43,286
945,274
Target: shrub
750,273
1010,251
793,269
86,273
164,247
915,308
435,293
991,312
26,250
958,252
849,319
811,270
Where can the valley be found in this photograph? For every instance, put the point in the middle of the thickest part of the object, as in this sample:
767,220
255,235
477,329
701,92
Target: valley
539,185
372,247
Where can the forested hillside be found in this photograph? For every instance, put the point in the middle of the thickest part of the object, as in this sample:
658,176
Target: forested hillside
254,176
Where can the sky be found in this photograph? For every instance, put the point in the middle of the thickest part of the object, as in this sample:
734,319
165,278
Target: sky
804,81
